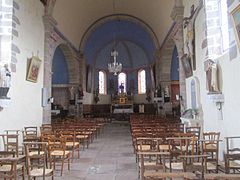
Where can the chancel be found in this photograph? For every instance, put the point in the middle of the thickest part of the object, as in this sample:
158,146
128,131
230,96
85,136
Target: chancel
119,89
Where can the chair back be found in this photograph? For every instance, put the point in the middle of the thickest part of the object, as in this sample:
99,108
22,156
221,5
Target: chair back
30,132
211,136
36,154
4,161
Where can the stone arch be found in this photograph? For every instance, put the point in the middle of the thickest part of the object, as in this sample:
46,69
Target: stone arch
128,17
165,60
71,62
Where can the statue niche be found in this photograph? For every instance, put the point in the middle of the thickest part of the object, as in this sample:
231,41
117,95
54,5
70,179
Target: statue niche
211,70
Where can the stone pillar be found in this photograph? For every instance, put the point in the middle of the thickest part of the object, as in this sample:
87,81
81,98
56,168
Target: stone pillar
157,68
177,16
6,31
49,46
82,69
77,58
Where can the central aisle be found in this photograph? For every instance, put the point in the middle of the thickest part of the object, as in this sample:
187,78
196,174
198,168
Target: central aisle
110,157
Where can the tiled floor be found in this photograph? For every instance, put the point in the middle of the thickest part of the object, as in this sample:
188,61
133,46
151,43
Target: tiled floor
109,157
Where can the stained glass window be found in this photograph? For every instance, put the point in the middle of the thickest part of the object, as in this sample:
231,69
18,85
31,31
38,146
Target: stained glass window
122,81
141,82
102,82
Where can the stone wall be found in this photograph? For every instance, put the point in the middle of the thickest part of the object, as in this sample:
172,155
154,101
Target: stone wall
9,23
28,40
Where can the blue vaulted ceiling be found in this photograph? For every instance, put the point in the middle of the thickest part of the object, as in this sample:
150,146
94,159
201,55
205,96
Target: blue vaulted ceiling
135,45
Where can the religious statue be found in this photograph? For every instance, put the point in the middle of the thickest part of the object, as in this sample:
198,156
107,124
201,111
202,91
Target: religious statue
148,95
190,37
189,24
80,92
72,93
166,94
158,91
96,95
121,87
5,80
211,76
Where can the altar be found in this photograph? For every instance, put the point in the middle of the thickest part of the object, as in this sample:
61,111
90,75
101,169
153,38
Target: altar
122,104
122,108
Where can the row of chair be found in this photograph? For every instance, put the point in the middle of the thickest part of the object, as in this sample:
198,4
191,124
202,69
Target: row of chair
168,148
56,144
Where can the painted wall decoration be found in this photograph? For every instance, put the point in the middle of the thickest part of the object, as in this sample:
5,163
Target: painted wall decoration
235,14
33,69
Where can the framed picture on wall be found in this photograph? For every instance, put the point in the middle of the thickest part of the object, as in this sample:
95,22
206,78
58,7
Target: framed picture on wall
235,14
33,69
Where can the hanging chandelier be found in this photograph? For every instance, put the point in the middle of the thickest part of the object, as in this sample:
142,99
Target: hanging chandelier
114,67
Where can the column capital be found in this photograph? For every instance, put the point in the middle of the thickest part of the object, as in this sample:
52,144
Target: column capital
49,21
177,13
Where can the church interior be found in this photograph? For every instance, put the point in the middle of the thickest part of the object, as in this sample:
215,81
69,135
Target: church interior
119,89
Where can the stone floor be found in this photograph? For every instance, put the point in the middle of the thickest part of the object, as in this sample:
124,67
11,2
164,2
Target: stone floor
110,157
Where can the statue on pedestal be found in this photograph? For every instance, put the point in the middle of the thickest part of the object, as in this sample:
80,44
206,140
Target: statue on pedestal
121,87
5,80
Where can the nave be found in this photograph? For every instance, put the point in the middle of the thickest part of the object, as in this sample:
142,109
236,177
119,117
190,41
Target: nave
110,157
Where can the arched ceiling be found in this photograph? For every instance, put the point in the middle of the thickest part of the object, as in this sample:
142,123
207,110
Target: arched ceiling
129,54
74,17
117,32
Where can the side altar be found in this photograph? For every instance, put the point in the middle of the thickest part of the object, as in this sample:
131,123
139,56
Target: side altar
122,103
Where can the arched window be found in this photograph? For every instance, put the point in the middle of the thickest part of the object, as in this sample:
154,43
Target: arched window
141,82
102,82
122,80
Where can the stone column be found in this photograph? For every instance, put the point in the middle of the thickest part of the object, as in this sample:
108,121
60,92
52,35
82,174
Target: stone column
49,46
157,68
82,69
177,16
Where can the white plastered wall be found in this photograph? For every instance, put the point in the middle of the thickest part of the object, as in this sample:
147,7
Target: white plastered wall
25,108
229,83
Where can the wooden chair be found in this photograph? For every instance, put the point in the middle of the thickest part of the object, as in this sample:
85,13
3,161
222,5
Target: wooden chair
232,155
9,166
82,138
182,158
11,143
71,143
36,153
149,155
46,129
178,146
30,132
210,146
57,152
196,131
